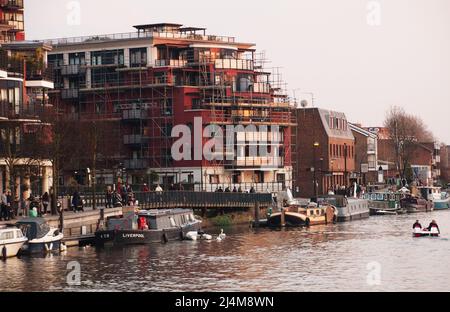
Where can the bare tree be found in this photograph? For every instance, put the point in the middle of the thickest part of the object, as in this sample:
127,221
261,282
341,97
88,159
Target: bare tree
405,131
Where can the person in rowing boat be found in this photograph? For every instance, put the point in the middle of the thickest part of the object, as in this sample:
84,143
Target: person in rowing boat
432,225
417,225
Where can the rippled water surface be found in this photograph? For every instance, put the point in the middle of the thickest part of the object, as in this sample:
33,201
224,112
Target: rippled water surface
377,254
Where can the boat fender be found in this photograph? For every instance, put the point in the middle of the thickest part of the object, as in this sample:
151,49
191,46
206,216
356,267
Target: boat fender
4,253
307,222
165,239
48,247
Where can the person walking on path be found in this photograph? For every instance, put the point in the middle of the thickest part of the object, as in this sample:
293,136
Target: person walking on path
4,203
109,197
45,202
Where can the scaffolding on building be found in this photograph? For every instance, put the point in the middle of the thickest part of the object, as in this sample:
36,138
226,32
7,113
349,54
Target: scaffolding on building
234,88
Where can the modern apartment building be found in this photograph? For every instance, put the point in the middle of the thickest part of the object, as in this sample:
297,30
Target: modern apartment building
163,75
11,21
24,83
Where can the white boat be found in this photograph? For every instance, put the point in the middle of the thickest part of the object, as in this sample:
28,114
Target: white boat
41,237
11,241
418,232
441,200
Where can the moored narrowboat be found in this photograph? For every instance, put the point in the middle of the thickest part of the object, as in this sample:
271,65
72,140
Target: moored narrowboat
348,209
148,226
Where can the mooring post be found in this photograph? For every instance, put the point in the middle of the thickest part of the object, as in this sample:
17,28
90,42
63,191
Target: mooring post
256,207
283,217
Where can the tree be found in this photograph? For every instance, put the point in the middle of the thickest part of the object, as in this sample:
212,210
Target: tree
405,132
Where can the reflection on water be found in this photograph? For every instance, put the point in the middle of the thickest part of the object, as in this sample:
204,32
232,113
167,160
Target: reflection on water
323,258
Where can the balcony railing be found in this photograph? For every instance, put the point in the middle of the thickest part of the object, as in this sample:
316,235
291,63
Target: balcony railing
67,94
73,70
170,63
29,111
255,162
136,164
139,35
39,72
134,114
16,4
134,139
234,64
131,81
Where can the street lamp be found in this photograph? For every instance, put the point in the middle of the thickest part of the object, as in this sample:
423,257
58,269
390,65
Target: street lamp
315,146
345,164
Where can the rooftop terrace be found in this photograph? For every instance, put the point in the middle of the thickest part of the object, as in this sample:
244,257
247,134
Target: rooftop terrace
161,30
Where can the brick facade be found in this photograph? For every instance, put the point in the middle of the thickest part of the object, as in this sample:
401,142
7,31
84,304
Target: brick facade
331,168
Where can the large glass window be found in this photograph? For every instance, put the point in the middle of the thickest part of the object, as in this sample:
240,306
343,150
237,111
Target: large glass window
108,57
77,58
138,57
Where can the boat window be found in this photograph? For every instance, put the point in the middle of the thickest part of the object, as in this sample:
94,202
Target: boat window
7,235
19,234
172,222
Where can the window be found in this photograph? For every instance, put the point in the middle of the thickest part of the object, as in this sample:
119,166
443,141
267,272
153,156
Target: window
138,57
108,57
77,58
7,235
56,60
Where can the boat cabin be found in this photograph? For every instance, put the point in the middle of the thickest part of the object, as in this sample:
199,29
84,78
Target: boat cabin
152,220
33,228
9,234
431,193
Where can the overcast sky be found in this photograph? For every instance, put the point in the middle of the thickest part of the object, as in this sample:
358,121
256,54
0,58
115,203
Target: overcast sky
354,57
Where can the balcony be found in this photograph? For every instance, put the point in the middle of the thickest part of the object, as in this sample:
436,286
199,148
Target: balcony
67,94
31,111
255,162
170,63
134,114
73,70
11,4
234,64
134,139
136,164
39,76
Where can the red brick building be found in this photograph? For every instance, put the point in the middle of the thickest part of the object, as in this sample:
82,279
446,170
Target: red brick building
324,151
11,21
445,163
424,161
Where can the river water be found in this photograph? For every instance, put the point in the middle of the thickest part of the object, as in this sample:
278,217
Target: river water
377,254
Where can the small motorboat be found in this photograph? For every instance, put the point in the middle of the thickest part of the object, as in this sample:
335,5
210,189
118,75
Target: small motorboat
418,232
41,237
11,241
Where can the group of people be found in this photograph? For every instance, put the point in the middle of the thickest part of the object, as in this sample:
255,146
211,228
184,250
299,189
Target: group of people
235,190
31,206
7,210
432,225
347,191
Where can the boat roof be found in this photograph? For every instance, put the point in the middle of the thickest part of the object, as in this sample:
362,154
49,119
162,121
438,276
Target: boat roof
159,212
38,221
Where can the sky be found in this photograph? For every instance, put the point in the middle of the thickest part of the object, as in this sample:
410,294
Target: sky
360,57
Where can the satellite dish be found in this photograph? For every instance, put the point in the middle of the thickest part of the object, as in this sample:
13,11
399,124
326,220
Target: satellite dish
304,103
